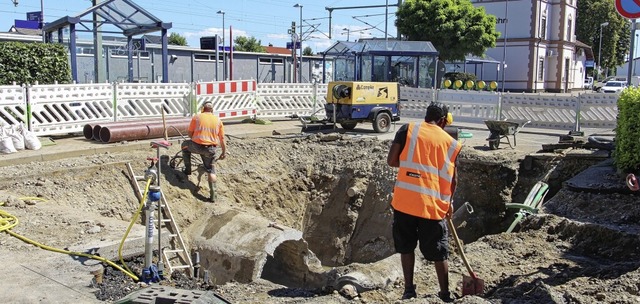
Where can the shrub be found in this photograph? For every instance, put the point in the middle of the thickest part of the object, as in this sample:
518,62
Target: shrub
30,62
627,153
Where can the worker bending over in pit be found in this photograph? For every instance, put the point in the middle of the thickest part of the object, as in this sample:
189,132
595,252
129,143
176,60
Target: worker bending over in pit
426,157
207,135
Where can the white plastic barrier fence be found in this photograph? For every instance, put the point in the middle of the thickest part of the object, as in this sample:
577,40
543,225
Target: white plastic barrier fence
13,105
58,109
291,99
414,101
230,99
543,110
66,108
470,106
145,100
598,110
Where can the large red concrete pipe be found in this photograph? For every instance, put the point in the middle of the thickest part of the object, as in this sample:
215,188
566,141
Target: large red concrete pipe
92,131
110,134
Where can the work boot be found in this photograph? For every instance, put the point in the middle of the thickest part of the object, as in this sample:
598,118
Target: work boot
212,192
186,158
409,293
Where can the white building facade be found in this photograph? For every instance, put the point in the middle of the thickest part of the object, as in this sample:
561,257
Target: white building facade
541,50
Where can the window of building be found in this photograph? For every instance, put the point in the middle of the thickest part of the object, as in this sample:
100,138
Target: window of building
569,33
122,53
267,60
541,68
543,27
207,57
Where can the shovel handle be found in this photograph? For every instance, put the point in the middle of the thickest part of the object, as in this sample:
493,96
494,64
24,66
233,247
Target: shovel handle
460,249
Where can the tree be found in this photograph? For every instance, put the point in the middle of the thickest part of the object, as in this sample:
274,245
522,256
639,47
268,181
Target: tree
615,36
251,44
177,39
455,27
308,51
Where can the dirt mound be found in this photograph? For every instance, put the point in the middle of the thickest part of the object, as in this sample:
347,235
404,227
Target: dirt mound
582,251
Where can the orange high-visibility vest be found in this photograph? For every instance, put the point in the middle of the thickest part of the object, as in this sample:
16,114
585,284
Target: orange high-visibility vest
207,129
427,163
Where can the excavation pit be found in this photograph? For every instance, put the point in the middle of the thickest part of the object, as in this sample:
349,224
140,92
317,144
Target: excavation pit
330,196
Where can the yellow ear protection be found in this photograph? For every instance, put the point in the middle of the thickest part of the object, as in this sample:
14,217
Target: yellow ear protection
449,119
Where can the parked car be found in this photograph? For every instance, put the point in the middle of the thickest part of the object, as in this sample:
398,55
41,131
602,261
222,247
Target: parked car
588,82
597,85
613,86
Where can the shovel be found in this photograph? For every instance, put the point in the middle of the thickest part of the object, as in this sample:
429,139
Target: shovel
472,284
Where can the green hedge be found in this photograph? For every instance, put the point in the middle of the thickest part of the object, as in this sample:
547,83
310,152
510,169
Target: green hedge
627,153
26,63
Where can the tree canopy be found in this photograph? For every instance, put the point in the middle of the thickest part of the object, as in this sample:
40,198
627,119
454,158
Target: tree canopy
177,39
454,27
250,44
308,51
616,36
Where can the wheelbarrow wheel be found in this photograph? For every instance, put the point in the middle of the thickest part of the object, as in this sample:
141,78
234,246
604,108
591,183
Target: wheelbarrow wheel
494,141
494,144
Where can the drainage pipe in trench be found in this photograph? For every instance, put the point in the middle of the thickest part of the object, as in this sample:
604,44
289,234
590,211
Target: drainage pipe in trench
110,134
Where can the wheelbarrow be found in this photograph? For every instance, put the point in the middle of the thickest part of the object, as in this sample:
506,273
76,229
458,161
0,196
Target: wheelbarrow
500,129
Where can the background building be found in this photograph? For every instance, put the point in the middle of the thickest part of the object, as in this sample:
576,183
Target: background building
537,44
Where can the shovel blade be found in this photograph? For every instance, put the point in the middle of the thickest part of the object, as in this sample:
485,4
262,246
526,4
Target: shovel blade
472,286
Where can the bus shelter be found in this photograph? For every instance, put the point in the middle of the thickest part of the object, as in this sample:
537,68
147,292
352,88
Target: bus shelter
410,63
126,16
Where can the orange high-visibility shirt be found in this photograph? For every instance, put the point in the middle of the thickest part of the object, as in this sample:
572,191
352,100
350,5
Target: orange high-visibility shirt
427,164
207,129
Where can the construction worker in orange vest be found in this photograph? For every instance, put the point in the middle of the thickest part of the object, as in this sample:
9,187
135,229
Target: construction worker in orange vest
207,135
426,157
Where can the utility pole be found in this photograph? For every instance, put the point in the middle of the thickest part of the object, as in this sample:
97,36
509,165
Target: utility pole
300,40
98,62
224,55
44,38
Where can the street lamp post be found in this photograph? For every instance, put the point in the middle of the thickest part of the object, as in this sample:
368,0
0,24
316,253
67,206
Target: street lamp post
633,59
600,45
348,31
224,56
300,39
504,46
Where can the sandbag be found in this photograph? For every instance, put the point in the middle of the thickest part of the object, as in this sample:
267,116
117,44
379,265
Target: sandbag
17,138
6,144
31,141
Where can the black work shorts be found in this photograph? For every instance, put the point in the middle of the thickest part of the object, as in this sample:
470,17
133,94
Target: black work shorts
432,234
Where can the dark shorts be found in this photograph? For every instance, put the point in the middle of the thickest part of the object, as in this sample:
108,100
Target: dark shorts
432,234
207,153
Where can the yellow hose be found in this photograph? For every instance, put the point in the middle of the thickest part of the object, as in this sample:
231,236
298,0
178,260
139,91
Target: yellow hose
8,221
133,220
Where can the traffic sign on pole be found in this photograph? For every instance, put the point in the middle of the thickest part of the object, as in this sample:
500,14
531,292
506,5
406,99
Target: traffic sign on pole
628,8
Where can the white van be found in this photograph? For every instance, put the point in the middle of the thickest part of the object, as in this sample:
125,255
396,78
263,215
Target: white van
588,82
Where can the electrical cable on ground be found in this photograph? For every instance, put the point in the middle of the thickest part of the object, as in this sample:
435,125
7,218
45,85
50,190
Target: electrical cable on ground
8,221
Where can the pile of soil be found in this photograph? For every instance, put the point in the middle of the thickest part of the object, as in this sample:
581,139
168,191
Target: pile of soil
567,254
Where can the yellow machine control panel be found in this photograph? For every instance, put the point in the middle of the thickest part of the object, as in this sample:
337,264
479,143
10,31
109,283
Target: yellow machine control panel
362,93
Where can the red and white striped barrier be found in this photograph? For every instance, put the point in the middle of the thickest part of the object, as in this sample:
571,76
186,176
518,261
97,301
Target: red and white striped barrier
230,99
226,87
